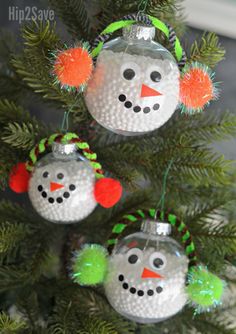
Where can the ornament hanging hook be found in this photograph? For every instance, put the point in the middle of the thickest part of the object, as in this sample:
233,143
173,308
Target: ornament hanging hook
65,120
163,194
142,6
64,124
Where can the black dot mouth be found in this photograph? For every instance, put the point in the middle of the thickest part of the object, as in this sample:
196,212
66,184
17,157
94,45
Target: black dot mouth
58,200
140,293
128,105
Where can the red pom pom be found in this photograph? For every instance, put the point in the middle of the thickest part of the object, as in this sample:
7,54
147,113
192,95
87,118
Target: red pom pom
19,178
107,192
197,88
73,67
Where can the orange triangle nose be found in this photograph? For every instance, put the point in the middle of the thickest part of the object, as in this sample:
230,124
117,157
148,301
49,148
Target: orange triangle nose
150,274
148,91
55,186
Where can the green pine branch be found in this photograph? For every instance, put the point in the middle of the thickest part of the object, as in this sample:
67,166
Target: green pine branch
10,85
68,312
35,64
8,158
167,10
68,317
214,327
198,129
221,238
207,50
94,325
199,188
14,277
75,15
187,143
32,238
197,165
11,112
207,206
28,305
20,136
11,234
11,326
20,131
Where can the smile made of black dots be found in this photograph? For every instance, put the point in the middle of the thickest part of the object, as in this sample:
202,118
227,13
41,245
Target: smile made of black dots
59,200
137,109
133,290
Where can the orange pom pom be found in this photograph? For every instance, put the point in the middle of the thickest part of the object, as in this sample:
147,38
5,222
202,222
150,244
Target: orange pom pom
107,192
196,88
73,67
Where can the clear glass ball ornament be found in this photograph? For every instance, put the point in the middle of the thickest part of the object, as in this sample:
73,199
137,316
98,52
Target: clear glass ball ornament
146,275
62,184
135,85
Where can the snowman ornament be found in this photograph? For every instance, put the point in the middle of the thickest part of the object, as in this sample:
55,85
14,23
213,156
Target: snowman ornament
135,86
146,273
61,186
65,186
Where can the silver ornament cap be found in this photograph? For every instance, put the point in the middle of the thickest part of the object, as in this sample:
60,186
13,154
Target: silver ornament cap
139,32
60,150
156,227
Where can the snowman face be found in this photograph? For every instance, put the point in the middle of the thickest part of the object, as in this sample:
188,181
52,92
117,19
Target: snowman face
132,94
146,284
62,191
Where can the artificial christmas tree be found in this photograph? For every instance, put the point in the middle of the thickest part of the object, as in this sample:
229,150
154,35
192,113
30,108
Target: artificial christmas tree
37,292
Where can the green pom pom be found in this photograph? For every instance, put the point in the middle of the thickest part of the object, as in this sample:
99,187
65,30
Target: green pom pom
90,265
204,289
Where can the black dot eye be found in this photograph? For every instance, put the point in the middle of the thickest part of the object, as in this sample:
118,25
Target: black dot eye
158,262
129,74
60,176
45,174
155,76
133,258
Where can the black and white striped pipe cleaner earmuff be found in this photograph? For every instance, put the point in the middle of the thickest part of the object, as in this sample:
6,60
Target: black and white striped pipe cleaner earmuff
148,20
